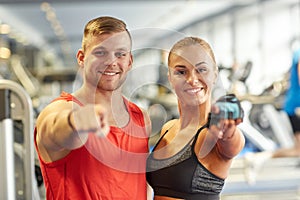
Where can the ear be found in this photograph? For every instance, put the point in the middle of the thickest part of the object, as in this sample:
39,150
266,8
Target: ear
216,76
80,57
169,79
130,61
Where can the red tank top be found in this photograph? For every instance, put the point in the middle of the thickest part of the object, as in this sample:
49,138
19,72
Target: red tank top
111,168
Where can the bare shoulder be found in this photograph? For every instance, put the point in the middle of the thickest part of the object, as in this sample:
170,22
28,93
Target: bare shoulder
48,149
168,125
55,107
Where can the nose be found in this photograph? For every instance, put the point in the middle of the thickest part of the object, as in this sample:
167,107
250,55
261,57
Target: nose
110,59
192,79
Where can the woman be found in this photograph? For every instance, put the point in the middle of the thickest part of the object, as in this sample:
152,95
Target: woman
192,159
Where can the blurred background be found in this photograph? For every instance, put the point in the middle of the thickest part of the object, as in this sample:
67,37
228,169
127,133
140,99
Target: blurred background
253,41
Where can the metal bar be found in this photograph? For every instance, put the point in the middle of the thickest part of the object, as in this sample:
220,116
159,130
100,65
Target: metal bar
7,168
5,104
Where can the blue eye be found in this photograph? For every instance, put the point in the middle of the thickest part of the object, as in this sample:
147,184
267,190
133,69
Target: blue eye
201,70
100,53
120,54
179,72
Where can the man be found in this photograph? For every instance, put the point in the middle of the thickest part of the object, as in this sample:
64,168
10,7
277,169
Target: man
93,143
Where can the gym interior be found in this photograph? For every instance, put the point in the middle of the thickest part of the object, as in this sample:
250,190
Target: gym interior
253,41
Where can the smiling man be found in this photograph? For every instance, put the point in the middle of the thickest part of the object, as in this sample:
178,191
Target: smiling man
92,144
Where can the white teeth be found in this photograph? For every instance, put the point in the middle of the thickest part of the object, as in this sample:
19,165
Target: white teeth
193,91
109,73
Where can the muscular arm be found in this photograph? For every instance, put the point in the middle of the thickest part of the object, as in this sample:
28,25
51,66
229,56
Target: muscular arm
57,135
54,132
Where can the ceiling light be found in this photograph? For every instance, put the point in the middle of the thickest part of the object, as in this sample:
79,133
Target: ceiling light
4,53
4,29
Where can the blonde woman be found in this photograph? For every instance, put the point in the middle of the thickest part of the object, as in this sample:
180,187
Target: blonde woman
192,158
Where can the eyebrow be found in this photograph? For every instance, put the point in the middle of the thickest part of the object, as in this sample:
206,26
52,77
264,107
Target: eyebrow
200,63
197,65
118,49
99,48
179,66
123,49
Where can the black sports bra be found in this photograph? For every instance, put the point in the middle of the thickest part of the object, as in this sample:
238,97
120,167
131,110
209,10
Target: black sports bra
182,175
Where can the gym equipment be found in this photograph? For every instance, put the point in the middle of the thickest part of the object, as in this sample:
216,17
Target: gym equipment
17,167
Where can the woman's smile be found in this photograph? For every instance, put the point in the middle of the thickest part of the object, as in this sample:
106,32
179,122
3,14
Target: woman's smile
194,91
